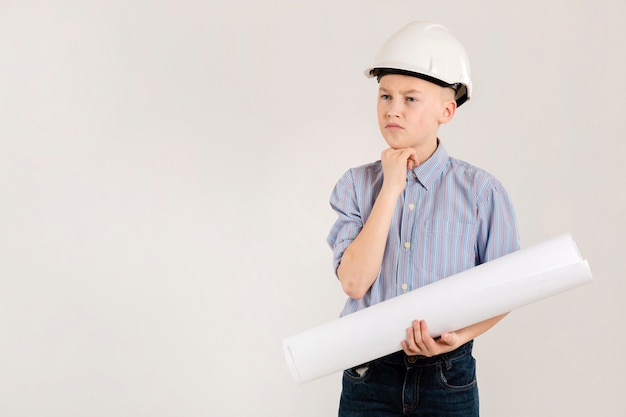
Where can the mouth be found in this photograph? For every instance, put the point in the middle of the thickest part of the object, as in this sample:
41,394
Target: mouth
393,127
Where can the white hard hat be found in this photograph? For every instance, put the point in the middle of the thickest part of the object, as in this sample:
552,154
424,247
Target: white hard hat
429,51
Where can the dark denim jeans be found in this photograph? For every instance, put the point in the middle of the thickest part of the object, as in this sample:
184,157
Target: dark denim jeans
401,385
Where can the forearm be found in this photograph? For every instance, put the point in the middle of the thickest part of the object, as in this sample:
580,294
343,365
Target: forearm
362,260
471,332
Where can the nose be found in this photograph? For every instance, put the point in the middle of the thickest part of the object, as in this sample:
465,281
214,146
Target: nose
392,109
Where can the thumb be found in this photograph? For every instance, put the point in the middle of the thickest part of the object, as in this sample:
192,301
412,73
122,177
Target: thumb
447,338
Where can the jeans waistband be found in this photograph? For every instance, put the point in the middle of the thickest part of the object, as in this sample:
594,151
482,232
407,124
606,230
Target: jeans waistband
418,360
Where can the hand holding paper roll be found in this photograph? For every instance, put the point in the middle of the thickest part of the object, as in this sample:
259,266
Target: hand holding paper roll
420,342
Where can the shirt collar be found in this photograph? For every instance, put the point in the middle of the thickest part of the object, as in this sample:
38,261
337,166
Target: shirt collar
428,172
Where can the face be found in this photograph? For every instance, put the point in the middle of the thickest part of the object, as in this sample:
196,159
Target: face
410,111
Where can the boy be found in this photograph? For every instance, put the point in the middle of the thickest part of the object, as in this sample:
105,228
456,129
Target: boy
412,218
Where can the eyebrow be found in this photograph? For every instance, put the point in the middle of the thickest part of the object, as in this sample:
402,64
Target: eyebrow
412,91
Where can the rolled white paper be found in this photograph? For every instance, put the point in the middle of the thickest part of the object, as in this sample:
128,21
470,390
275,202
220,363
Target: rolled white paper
463,299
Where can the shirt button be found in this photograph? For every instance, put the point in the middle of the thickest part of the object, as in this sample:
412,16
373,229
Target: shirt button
407,244
404,287
411,206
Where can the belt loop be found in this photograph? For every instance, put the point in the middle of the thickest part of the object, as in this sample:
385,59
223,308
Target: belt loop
447,361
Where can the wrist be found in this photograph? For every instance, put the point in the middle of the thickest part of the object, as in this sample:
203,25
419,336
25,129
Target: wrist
391,191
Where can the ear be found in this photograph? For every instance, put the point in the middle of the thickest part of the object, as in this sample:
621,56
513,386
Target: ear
448,110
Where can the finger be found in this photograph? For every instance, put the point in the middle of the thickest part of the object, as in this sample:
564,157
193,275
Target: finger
428,344
409,343
407,153
406,157
418,335
448,339
412,160
413,344
395,156
407,349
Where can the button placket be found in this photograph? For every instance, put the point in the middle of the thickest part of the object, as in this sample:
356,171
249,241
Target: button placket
408,222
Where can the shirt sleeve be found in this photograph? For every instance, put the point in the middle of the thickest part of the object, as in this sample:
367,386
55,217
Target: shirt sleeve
497,233
349,221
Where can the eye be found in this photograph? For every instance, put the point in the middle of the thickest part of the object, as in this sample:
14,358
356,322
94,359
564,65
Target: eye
411,99
385,97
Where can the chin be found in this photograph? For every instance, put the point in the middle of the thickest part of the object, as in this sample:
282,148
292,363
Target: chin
394,144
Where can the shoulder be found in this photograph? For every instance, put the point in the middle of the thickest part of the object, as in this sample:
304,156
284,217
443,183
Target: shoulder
369,173
482,182
371,168
359,185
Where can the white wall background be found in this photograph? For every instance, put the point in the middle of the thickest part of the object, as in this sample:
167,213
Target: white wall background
165,169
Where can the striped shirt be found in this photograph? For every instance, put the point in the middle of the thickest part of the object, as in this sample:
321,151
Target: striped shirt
451,216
